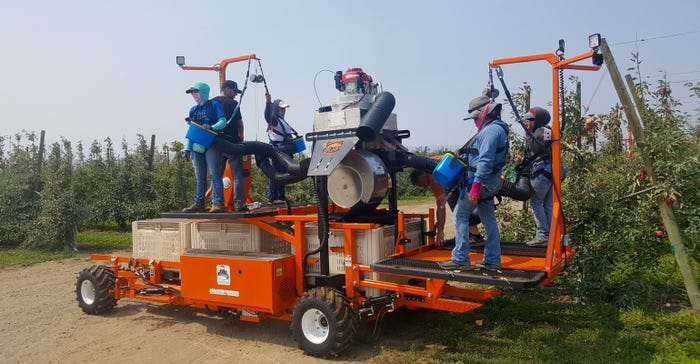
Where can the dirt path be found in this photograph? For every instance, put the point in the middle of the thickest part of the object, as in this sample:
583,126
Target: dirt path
40,322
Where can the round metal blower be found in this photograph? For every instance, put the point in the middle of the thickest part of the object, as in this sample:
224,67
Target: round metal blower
361,178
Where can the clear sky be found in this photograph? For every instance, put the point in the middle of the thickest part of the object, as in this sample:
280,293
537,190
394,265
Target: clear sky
85,70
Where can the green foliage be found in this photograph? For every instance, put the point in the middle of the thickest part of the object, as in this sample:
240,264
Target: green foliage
21,187
619,253
57,223
174,180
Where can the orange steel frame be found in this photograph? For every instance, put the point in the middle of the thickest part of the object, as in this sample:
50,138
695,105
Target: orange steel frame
555,259
221,67
431,295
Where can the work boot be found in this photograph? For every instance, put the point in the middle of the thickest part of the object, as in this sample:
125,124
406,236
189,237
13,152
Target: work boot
243,208
194,208
217,208
452,265
537,243
489,266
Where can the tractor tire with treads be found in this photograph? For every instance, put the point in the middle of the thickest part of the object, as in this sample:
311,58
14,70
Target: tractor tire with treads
93,290
323,323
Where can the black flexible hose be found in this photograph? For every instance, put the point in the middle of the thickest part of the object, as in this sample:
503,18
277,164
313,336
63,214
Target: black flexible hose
521,190
321,191
375,118
294,172
425,164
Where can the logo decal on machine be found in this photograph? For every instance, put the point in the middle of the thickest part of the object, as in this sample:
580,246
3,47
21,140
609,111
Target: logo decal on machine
223,275
332,147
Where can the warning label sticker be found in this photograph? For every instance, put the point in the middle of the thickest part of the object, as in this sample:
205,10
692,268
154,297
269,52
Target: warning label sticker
224,292
223,275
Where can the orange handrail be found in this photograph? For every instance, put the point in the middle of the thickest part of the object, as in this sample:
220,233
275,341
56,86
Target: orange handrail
554,255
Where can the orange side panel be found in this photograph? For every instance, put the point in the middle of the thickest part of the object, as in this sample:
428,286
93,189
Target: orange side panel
256,281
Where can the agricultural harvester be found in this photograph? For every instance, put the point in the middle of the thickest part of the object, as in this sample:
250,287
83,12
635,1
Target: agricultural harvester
336,266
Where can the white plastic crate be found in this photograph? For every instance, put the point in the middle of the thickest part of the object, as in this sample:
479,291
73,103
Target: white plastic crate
272,244
371,246
235,235
160,239
414,232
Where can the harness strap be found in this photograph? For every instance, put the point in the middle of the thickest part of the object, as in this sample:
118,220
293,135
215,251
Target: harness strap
475,151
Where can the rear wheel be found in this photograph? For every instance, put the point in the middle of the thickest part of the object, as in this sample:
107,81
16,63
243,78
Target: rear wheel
93,290
323,323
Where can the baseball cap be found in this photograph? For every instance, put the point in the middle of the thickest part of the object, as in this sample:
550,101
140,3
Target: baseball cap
230,84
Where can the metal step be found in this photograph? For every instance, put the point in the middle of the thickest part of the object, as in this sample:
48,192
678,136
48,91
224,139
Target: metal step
518,248
512,278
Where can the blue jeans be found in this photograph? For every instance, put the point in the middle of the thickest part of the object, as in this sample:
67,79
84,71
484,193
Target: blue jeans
487,214
236,164
209,161
541,204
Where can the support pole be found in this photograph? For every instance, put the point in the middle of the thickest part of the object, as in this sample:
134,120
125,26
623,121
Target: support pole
152,152
666,210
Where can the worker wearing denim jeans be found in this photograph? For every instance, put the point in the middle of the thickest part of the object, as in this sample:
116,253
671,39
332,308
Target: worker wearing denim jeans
210,115
538,155
486,154
233,132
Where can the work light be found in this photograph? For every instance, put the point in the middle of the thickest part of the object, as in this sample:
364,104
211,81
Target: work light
594,41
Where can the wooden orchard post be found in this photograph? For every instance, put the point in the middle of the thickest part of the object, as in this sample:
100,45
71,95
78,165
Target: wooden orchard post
666,210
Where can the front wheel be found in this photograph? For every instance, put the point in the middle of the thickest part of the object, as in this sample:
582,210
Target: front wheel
93,290
323,323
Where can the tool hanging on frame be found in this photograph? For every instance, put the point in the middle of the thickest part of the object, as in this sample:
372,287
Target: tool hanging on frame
258,78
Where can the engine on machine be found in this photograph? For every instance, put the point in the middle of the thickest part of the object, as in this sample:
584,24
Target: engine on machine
351,138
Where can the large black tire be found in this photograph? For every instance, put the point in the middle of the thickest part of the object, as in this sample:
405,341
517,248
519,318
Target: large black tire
92,290
323,323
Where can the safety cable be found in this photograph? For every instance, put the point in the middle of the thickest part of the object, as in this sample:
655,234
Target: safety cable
245,87
267,92
315,90
562,91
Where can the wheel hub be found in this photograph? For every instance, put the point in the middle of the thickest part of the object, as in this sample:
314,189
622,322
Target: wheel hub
314,325
87,292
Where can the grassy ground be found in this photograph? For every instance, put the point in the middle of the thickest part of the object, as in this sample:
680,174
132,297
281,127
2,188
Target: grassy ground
509,329
91,240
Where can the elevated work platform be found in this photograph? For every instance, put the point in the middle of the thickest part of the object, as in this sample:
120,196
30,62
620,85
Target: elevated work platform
520,266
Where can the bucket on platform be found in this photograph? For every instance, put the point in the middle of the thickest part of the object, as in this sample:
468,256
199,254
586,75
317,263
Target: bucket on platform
447,170
299,144
197,134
